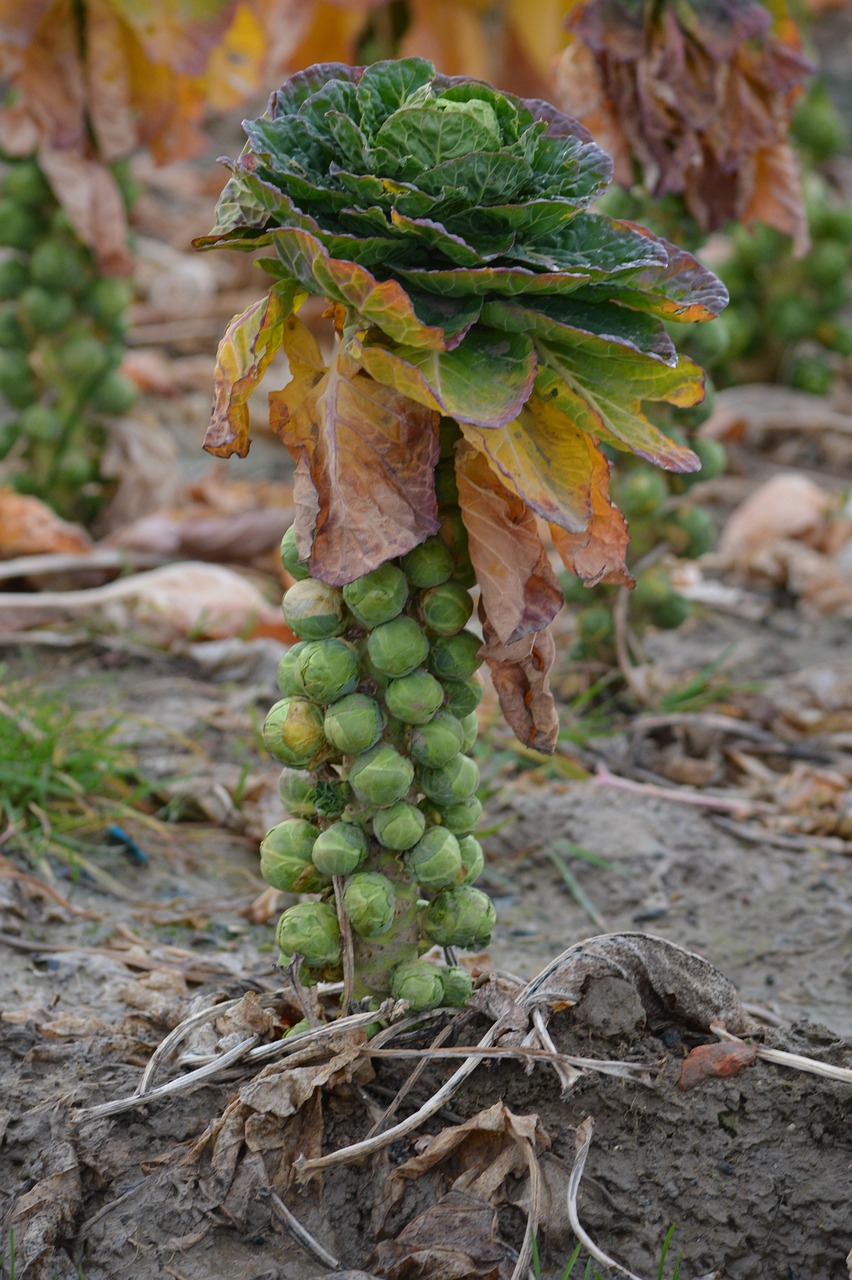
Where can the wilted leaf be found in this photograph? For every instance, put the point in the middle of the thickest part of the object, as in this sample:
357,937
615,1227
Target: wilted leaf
28,527
715,1062
520,673
598,552
455,1239
249,343
520,592
365,454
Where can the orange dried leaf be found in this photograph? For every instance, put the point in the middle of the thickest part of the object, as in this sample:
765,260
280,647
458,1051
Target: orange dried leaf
28,527
715,1062
365,457
598,554
520,673
520,591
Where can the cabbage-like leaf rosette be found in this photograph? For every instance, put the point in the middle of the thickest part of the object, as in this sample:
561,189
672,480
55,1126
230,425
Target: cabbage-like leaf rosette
447,226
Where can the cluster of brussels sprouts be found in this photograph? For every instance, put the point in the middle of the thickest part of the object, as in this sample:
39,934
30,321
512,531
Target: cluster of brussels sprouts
375,725
659,513
62,338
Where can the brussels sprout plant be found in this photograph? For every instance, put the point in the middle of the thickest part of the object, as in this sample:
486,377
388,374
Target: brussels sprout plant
488,333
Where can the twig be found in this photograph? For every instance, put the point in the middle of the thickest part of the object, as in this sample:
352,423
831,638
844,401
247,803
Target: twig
302,999
683,796
300,1233
346,945
797,1061
583,1139
567,1074
533,1214
39,886
637,1071
409,1084
65,562
626,666
781,839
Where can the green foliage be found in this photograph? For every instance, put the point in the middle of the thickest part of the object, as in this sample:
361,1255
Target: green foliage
66,323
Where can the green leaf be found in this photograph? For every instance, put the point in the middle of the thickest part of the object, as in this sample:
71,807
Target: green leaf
290,143
385,86
287,100
594,242
601,328
486,380
513,116
484,177
436,237
383,304
604,397
572,167
426,136
682,290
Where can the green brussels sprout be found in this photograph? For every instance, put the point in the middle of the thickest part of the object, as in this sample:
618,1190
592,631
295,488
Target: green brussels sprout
41,423
83,358
56,264
451,782
285,858
397,648
333,795
340,849
813,375
377,596
310,928
689,531
713,456
400,826
293,731
428,565
472,859
420,983
445,609
381,776
296,568
642,493
298,793
328,669
12,333
354,724
595,626
462,818
470,729
449,434
43,310
18,228
289,677
17,385
414,698
453,533
314,610
26,184
458,987
435,861
369,900
655,595
446,485
462,697
107,299
14,278
460,917
114,394
437,741
455,657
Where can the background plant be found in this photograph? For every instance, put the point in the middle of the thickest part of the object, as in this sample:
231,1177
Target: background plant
489,332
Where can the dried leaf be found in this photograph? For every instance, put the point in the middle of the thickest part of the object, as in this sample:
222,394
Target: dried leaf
715,1062
455,1239
598,554
520,591
365,458
46,1214
91,198
787,506
520,673
249,343
28,527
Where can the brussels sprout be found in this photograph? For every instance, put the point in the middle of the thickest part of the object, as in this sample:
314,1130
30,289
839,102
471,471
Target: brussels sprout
595,626
17,385
453,533
296,568
428,565
451,782
435,861
455,657
14,278
470,730
114,394
297,792
41,423
332,796
445,609
378,596
107,299
289,678
713,456
381,776
655,594
446,485
414,698
449,434
285,858
12,333
83,358
18,228
314,610
43,310
460,917
340,849
419,982
293,731
437,741
310,928
26,184
400,826
369,900
642,493
458,987
462,818
397,648
328,669
56,264
354,723
472,858
689,531
462,697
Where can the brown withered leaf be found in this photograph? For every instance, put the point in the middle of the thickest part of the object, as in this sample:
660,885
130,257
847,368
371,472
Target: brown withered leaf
699,97
91,197
520,591
28,527
455,1239
247,346
598,553
365,458
715,1062
520,673
110,105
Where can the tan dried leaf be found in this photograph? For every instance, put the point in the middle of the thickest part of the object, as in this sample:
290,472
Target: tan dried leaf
520,673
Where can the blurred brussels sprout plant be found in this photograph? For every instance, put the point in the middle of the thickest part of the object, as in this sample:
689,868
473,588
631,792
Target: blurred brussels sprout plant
487,335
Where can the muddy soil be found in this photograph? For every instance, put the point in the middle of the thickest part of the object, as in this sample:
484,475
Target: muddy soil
754,1171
